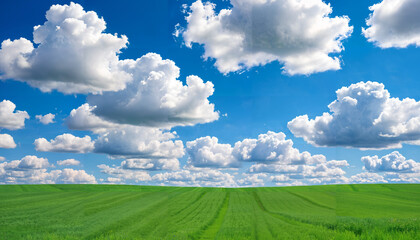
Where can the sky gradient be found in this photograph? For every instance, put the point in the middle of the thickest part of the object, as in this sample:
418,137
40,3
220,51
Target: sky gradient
228,93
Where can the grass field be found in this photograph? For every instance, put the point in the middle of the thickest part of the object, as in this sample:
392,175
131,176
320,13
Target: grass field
377,211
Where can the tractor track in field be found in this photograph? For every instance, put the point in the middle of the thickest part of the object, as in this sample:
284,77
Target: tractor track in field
128,221
213,228
310,201
280,216
296,221
188,206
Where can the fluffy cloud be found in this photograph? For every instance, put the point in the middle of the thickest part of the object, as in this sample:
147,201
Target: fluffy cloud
150,164
320,171
367,177
136,169
271,153
69,175
207,152
391,168
203,177
72,54
155,97
279,178
11,119
68,162
297,33
46,119
126,141
65,143
268,148
112,180
273,148
27,162
139,142
398,177
6,141
363,116
251,180
32,169
393,162
394,24
83,119
386,177
125,174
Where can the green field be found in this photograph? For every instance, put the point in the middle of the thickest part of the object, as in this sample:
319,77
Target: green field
380,211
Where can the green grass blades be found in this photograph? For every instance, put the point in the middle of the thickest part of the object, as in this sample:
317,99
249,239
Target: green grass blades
377,211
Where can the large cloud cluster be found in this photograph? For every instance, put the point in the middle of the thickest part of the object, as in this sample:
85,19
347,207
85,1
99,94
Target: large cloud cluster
72,54
394,24
83,119
393,167
268,148
139,142
207,177
134,101
273,148
393,162
363,116
298,33
150,164
156,97
125,142
65,143
32,169
208,152
120,174
270,153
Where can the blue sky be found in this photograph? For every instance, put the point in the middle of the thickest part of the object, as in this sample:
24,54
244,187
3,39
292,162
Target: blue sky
250,101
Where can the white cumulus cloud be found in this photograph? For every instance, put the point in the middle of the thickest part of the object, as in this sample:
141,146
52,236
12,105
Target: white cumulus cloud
363,116
7,141
367,177
83,119
124,140
207,152
139,142
273,147
68,162
11,119
393,162
268,148
46,119
202,177
72,54
270,153
150,164
34,170
251,180
65,143
69,175
394,23
300,34
156,97
117,172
